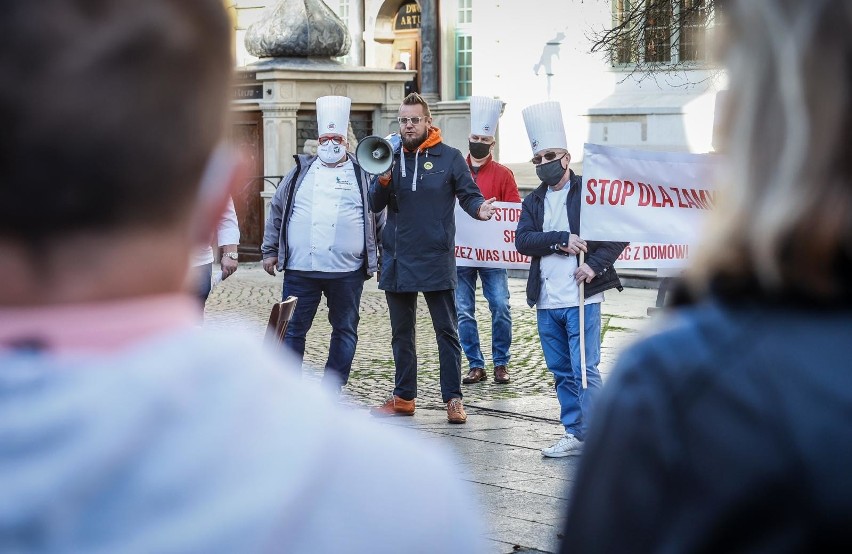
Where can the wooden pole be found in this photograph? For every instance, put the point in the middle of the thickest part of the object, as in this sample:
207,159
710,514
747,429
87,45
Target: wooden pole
582,324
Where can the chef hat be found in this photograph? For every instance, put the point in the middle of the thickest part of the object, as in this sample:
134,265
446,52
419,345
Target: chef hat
333,115
544,126
484,113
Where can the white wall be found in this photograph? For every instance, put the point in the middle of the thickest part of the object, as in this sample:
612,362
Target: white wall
598,104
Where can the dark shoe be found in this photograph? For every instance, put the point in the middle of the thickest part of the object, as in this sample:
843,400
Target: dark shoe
455,411
475,375
501,374
394,406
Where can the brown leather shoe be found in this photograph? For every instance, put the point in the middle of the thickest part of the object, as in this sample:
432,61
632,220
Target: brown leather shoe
501,374
475,375
394,406
455,411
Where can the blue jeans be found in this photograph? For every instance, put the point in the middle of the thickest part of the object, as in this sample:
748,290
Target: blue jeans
343,298
495,288
203,275
559,331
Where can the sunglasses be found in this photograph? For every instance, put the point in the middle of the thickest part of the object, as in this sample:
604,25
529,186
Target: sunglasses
550,156
413,120
334,140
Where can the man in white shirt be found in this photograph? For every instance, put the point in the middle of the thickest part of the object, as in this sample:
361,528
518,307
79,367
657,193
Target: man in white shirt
121,427
322,235
548,233
228,238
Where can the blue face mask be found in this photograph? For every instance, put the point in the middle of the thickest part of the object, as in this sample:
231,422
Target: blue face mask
550,173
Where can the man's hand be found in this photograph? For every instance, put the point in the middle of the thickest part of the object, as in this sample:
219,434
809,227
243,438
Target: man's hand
229,266
487,209
385,178
574,245
269,265
584,273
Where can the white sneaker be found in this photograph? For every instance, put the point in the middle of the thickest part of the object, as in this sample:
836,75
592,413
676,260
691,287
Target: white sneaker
567,446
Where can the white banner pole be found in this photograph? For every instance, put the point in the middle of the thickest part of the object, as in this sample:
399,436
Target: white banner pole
582,324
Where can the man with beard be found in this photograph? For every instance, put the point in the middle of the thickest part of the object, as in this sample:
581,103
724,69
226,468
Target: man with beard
419,252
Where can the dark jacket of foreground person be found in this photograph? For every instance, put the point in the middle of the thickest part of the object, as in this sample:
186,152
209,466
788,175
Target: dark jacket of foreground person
737,426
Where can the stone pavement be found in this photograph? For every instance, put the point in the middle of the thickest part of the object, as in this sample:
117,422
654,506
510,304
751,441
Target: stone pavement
523,495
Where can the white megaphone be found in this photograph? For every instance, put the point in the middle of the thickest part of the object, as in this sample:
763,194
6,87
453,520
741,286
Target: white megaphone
375,154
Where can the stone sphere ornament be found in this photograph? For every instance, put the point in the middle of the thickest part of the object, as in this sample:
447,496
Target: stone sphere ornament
298,29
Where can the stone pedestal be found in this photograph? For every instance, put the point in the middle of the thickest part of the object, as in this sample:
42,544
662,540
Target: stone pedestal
293,84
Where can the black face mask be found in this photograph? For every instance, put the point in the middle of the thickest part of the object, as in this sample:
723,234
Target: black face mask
550,173
478,150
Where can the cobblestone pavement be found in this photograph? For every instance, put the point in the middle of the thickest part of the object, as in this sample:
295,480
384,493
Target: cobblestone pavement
523,497
245,299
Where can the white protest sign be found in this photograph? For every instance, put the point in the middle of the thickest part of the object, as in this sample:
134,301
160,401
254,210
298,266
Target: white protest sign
489,243
655,200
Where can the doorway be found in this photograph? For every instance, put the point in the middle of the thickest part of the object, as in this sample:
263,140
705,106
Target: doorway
246,134
398,33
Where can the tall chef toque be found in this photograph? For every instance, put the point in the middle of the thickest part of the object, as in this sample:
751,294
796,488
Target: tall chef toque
544,126
333,115
484,114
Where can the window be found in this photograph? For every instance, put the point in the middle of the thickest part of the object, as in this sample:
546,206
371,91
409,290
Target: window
464,50
341,9
693,24
659,31
658,34
464,66
465,16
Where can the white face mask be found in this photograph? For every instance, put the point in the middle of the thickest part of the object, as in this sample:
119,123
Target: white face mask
330,153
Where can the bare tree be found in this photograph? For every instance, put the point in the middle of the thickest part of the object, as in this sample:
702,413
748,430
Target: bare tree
650,38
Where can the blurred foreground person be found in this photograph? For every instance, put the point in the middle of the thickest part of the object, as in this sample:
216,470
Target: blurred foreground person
123,427
729,430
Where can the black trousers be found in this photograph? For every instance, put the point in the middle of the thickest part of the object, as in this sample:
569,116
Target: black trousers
403,315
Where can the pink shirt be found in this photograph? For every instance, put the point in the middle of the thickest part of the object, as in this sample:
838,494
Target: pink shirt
96,327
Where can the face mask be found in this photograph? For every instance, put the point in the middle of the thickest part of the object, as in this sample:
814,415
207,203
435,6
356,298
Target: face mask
478,150
550,173
330,153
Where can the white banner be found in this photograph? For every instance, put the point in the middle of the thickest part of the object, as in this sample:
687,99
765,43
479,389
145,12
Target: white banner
489,243
650,255
645,197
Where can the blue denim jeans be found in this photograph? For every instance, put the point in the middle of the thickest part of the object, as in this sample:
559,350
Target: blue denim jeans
343,298
495,288
559,331
203,275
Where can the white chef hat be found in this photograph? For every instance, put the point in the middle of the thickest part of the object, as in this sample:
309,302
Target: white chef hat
484,114
544,126
333,115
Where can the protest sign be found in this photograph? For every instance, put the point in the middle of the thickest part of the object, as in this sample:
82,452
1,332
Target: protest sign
489,243
655,200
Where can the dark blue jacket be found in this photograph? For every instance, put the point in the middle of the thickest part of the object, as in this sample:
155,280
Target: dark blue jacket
420,234
730,430
530,240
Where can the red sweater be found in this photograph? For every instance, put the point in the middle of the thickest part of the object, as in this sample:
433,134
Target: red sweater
495,181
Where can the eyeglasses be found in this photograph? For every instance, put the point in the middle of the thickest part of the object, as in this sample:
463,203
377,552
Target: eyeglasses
403,121
334,140
550,156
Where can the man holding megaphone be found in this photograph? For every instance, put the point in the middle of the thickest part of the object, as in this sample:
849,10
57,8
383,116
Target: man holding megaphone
420,192
323,236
